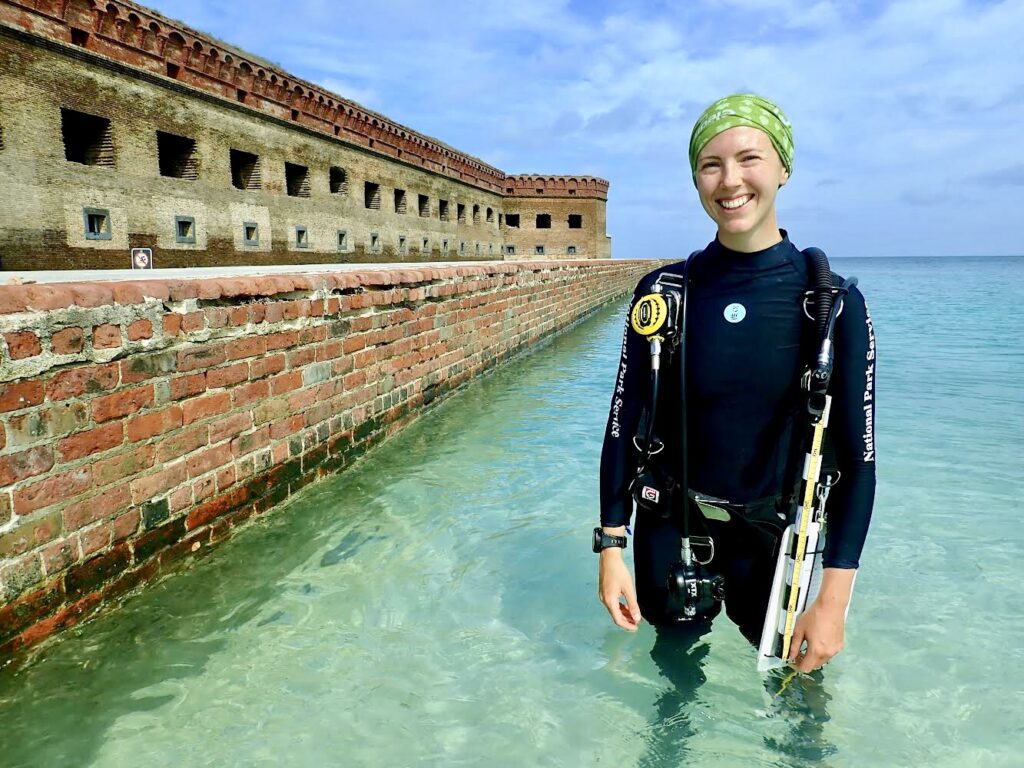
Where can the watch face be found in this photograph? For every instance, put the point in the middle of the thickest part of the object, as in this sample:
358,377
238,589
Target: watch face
597,539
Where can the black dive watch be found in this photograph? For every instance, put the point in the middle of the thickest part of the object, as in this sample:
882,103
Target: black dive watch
604,540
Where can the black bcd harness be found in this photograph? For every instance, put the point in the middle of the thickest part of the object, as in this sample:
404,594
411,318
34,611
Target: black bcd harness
657,489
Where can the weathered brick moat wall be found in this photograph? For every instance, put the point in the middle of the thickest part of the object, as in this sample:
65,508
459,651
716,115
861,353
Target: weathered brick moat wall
141,422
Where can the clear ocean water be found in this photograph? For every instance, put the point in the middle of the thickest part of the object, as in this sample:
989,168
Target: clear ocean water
436,603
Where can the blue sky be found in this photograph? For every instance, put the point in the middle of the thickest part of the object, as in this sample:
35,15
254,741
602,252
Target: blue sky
908,116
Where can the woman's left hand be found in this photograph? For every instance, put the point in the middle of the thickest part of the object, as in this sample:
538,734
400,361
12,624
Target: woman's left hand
822,626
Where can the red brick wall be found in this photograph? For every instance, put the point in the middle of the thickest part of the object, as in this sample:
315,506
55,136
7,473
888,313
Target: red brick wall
142,421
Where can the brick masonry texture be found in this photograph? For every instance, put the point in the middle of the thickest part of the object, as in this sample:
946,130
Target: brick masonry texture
119,461
154,80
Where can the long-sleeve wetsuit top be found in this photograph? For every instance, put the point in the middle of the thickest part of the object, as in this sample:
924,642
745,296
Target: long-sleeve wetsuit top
746,348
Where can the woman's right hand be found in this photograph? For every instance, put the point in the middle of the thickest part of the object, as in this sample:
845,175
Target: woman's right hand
616,590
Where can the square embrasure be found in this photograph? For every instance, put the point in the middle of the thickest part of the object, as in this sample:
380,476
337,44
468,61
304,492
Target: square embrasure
250,233
185,230
97,223
88,139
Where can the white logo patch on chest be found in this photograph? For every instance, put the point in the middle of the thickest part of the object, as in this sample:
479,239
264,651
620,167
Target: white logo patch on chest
734,313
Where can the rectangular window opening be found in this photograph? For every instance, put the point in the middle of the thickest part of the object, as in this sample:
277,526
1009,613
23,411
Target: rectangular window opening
79,37
538,250
575,221
444,247
245,170
401,243
173,70
185,230
374,241
572,191
250,233
342,240
509,190
176,156
339,181
571,250
442,210
88,139
296,179
512,220
426,245
399,201
97,223
301,237
461,211
371,195
295,114
543,221
424,206
240,95
476,214
540,191
490,215
462,248
510,250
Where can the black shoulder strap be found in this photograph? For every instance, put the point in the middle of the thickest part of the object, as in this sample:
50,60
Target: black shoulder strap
820,295
825,287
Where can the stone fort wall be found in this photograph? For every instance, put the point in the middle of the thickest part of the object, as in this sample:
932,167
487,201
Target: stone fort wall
120,128
143,422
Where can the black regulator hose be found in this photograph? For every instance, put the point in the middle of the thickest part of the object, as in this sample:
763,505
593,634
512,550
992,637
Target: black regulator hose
653,411
833,315
684,469
822,291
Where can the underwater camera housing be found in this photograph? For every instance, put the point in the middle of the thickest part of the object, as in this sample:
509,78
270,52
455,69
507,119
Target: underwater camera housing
692,593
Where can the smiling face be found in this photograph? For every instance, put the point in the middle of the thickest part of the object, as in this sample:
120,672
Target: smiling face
738,174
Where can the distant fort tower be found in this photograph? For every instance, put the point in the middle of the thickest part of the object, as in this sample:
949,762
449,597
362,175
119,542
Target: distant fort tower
122,129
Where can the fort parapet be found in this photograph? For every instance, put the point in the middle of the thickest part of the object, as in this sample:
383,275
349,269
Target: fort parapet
121,129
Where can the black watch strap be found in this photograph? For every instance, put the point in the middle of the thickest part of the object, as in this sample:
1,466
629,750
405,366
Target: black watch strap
604,540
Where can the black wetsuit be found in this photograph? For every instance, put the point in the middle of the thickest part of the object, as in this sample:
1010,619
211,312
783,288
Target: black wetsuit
743,401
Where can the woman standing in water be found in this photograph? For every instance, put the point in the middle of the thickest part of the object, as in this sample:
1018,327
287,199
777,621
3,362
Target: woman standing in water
745,352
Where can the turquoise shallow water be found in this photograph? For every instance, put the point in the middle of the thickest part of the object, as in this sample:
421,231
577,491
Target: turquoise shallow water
436,604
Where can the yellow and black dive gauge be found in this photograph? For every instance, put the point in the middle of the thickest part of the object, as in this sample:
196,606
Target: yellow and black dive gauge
649,314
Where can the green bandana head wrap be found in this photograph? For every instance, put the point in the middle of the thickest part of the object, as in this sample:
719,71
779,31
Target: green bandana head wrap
743,109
